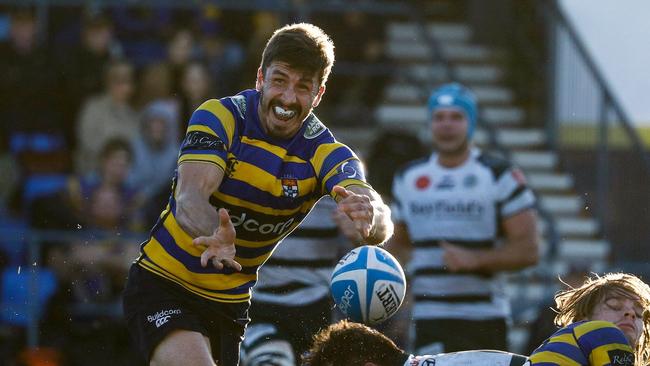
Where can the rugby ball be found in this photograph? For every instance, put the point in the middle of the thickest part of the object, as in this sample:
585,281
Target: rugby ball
368,285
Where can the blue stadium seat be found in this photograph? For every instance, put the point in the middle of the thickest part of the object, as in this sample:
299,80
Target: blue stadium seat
15,299
39,185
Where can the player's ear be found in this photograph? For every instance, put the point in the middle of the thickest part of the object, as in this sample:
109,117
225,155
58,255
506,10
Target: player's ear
259,80
319,96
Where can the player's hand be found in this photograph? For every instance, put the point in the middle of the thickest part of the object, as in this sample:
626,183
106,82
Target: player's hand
358,208
346,226
220,246
458,259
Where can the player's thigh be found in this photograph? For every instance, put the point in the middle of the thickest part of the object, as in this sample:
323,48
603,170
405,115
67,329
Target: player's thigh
183,347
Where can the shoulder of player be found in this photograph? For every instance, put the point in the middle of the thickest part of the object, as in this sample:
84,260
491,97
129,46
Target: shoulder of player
496,164
599,331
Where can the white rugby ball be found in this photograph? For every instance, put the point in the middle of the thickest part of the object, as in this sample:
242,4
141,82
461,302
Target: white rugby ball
368,285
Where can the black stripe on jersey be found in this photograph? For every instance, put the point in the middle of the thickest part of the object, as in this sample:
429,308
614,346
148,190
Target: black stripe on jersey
515,193
444,272
284,289
316,263
314,233
455,299
497,165
467,244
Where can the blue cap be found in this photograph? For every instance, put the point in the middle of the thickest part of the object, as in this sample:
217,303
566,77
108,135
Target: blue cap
455,95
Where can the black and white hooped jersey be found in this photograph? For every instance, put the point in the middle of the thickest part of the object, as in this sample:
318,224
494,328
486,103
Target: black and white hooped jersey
464,205
468,358
298,273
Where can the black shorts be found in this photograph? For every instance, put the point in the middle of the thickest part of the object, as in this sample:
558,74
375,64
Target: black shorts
455,335
154,307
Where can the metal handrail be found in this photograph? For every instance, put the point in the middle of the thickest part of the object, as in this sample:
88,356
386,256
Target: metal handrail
608,96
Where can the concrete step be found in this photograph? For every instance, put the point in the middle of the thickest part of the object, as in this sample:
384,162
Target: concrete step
542,182
518,138
584,250
503,115
392,113
535,160
418,49
573,227
562,204
447,32
469,74
412,94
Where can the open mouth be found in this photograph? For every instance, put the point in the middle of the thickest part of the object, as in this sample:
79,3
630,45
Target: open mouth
283,114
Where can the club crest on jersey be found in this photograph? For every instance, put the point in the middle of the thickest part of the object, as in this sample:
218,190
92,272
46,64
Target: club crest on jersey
470,181
314,128
290,187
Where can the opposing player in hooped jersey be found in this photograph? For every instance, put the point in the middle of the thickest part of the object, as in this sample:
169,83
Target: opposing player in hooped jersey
249,170
353,344
465,215
292,300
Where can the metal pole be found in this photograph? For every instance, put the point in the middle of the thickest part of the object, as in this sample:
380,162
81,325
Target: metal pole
603,164
32,293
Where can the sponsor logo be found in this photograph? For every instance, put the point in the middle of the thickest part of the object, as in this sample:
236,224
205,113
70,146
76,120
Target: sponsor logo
388,297
470,209
199,140
518,176
621,357
162,316
314,128
289,187
345,304
231,164
470,181
446,183
253,225
240,103
349,170
422,182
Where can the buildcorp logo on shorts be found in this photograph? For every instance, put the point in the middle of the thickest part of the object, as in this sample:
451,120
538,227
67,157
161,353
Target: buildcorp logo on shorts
162,316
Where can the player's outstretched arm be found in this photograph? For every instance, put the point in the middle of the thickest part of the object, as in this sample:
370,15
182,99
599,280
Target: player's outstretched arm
368,212
213,231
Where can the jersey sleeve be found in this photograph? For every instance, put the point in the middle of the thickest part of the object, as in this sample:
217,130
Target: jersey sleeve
336,164
209,134
513,193
605,343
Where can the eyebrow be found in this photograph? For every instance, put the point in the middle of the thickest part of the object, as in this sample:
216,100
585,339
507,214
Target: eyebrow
303,77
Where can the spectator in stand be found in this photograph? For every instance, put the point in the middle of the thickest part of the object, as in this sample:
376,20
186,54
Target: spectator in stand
181,50
81,68
195,89
452,209
155,153
107,115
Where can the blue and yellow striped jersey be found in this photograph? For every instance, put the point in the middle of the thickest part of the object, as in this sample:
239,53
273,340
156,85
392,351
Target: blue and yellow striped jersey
586,343
269,186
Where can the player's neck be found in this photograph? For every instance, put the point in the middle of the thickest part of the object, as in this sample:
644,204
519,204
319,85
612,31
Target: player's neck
452,159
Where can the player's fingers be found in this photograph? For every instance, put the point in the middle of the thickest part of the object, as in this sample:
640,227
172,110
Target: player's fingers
232,264
202,241
342,192
224,218
206,257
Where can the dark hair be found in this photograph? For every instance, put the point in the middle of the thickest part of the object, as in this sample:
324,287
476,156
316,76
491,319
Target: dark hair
352,344
113,145
304,47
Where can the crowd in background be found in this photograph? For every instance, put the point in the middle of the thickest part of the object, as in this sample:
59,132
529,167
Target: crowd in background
94,104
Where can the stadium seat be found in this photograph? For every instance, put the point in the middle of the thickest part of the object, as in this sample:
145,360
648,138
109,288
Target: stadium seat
15,299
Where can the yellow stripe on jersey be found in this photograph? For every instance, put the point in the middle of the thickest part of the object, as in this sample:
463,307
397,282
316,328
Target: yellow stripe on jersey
270,183
263,209
203,158
564,338
152,267
552,357
600,355
202,128
211,281
321,153
182,239
254,261
215,107
275,150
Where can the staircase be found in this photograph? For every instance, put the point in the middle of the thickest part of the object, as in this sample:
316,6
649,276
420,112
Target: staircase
482,69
